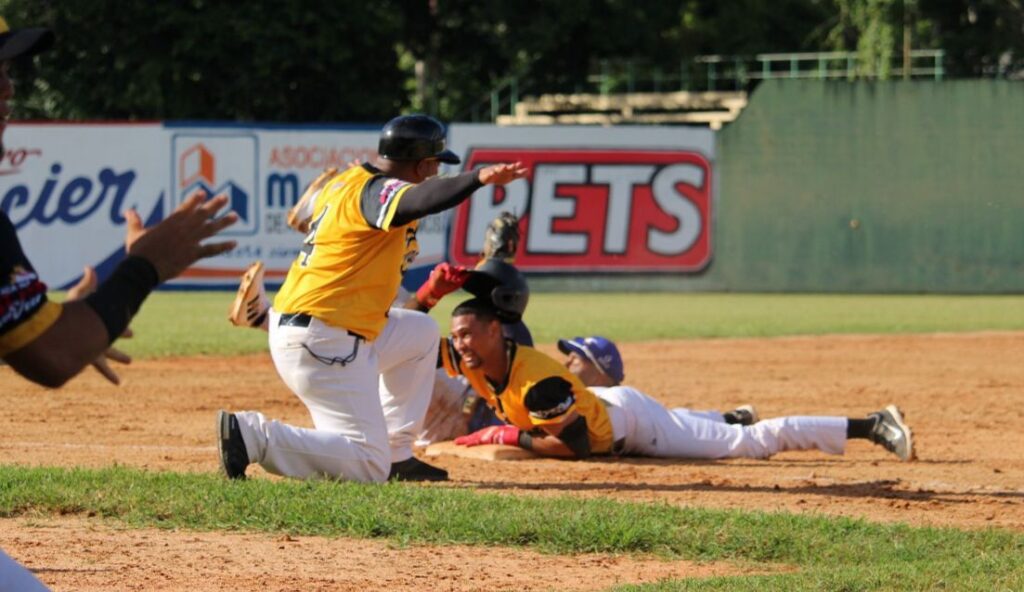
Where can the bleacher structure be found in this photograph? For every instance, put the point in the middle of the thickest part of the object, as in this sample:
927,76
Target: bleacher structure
712,108
709,91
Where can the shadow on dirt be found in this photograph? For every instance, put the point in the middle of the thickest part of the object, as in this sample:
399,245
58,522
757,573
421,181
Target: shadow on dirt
882,489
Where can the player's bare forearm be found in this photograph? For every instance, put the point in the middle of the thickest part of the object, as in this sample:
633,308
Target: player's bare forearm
74,340
572,437
550,446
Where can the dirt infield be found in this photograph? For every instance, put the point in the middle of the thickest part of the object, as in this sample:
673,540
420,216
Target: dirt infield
962,393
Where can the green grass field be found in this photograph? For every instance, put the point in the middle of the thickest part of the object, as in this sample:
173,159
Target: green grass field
828,554
191,323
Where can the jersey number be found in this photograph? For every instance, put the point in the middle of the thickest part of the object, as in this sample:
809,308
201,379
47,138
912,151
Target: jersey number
309,243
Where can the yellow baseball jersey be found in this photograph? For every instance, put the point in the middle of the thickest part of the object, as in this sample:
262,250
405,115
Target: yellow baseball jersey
352,259
25,312
538,391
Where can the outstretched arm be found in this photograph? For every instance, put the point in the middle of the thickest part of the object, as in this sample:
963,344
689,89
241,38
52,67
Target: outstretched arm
77,338
441,193
561,440
85,329
87,285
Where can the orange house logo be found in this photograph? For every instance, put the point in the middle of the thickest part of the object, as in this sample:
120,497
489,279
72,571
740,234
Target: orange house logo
220,165
197,164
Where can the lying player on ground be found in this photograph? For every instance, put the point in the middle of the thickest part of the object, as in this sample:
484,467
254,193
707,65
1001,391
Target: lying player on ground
551,411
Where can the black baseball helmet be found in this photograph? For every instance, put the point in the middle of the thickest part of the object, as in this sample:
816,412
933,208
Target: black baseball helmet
415,137
503,284
23,42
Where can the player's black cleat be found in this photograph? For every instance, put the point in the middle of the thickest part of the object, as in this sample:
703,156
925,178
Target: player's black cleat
413,469
891,432
743,415
234,458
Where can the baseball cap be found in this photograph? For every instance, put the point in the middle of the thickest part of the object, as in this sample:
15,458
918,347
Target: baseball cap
600,351
23,42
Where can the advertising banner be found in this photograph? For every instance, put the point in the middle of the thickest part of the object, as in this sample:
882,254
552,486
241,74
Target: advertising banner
627,199
263,171
66,188
597,199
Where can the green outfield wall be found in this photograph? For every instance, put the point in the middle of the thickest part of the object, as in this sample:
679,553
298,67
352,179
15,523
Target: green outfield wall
872,187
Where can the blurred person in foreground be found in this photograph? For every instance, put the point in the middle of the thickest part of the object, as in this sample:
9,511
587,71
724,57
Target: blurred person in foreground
49,343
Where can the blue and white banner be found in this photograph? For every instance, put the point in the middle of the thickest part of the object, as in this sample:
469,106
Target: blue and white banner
66,187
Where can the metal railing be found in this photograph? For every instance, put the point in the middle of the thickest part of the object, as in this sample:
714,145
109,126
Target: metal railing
502,99
829,65
717,72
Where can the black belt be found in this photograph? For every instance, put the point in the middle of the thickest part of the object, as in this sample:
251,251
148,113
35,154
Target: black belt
298,319
301,319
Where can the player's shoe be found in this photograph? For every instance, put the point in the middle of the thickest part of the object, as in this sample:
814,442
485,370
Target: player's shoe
891,432
251,303
413,469
745,415
234,458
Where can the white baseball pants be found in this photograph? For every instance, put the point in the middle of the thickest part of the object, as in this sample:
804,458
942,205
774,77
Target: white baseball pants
650,429
366,412
14,576
445,419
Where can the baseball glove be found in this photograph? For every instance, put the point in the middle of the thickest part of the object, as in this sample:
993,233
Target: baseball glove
251,305
300,215
501,239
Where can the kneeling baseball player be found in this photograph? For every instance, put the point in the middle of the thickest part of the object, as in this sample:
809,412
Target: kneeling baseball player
360,367
551,411
455,409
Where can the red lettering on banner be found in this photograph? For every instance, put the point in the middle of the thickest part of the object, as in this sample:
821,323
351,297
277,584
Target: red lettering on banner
318,157
595,210
12,159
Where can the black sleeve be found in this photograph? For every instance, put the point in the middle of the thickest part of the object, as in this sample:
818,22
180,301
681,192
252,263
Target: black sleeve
435,195
549,398
576,437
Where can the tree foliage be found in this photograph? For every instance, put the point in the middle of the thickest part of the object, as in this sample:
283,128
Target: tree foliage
308,60
208,59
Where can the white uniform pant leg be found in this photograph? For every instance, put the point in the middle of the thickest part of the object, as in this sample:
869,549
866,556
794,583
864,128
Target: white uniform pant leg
14,576
350,439
445,419
709,414
656,431
407,351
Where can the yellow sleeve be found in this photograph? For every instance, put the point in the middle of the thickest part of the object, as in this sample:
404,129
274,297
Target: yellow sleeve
30,329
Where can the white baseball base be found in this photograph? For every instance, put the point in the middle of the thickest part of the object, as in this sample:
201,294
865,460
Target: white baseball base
482,452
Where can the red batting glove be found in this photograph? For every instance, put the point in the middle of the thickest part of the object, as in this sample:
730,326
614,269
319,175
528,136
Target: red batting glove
506,434
443,279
